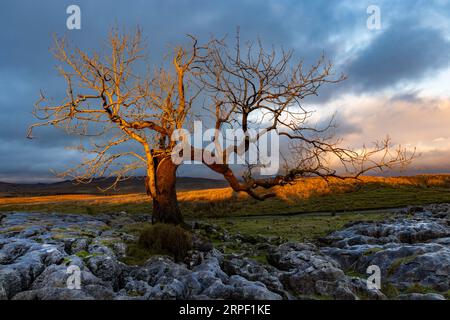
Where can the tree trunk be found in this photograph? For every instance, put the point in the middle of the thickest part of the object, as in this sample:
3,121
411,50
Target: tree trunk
165,203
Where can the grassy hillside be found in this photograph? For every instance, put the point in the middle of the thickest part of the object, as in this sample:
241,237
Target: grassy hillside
133,185
308,195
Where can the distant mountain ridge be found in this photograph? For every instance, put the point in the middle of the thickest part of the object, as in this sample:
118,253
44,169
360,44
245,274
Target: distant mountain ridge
133,185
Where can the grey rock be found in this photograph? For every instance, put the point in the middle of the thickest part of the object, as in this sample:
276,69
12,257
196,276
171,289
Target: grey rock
431,269
80,245
420,296
411,248
409,251
212,265
291,255
167,289
253,271
218,290
135,287
402,230
56,276
19,276
99,249
158,268
98,292
310,273
11,282
11,251
32,231
106,268
53,294
250,290
195,283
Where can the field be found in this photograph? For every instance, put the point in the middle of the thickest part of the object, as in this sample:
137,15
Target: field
309,209
306,196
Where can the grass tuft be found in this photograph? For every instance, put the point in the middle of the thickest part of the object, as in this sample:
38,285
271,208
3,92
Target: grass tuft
159,239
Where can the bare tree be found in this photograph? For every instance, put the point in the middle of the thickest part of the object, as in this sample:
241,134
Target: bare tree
254,88
131,118
109,101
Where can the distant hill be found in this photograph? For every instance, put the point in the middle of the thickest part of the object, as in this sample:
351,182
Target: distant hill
133,185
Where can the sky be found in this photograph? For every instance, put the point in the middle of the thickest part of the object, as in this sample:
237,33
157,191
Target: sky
398,75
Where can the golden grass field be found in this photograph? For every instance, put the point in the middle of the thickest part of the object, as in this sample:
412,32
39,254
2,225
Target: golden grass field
307,195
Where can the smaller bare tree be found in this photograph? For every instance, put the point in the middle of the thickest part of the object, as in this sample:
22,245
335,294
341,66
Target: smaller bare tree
252,88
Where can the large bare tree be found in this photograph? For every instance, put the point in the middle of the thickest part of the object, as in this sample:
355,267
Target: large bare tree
130,116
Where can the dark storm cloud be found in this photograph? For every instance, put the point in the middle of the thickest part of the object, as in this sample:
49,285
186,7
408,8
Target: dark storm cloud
310,27
402,53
